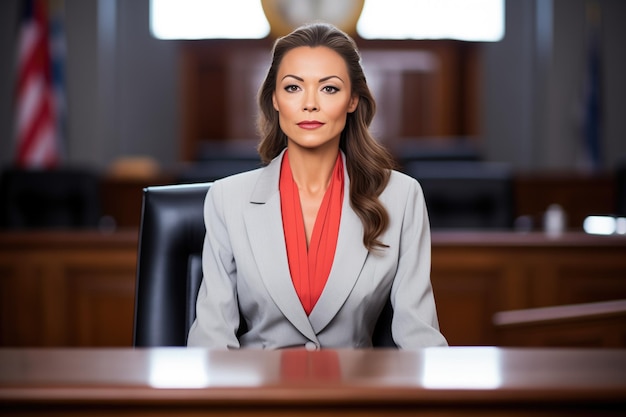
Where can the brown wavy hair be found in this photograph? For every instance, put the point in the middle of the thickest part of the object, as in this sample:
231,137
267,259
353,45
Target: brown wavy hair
368,163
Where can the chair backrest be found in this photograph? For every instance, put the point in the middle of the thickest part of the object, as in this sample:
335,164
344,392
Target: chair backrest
169,271
63,198
169,267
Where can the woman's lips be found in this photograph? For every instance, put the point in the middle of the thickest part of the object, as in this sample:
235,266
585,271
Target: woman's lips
310,124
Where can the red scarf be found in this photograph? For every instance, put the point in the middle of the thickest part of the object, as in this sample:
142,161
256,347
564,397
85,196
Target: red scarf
310,268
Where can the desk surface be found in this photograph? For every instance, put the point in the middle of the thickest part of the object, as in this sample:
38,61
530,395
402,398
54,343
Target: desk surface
359,380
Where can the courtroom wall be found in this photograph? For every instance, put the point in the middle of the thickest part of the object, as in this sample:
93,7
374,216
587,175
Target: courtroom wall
124,91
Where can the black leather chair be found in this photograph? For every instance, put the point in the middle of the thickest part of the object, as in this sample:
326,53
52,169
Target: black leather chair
63,198
169,267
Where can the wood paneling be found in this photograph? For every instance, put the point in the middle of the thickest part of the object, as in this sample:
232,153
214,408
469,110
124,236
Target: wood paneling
77,288
67,288
101,296
422,88
220,79
466,299
475,276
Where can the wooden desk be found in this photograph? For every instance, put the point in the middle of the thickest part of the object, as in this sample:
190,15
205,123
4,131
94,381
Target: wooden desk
472,381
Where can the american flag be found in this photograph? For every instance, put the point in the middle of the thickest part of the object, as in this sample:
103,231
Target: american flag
36,115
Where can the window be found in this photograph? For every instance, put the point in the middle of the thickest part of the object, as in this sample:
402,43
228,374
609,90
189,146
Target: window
469,20
202,19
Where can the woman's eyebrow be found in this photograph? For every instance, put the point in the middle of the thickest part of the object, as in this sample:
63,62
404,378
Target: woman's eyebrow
293,76
329,77
321,80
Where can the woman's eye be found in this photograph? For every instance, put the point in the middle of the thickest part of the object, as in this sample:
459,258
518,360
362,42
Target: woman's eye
291,88
330,89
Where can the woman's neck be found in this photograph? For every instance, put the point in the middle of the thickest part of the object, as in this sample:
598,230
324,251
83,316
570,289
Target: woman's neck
312,169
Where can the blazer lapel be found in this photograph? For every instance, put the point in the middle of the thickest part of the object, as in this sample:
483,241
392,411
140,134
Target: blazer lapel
347,265
264,223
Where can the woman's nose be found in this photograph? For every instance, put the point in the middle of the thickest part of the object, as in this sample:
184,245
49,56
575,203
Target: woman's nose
310,102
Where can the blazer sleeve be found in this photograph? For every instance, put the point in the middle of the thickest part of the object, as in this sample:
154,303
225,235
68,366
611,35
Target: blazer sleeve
414,323
217,312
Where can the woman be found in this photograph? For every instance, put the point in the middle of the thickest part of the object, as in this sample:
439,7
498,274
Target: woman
306,251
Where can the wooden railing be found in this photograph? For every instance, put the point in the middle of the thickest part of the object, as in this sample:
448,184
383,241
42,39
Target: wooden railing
599,324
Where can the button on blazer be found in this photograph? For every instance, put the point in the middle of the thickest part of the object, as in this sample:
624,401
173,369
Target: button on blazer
246,279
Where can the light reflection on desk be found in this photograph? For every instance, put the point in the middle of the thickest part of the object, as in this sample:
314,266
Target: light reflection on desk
170,368
436,369
466,368
199,368
450,368
466,381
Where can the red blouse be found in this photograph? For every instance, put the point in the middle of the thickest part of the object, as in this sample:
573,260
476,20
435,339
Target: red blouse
310,268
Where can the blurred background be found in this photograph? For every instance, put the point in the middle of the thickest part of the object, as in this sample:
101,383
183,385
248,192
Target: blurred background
541,103
510,113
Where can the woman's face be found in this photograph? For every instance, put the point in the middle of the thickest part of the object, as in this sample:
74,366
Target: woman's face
313,96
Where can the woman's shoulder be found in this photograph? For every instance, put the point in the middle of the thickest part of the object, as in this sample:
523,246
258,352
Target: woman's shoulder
234,188
401,182
402,191
401,187
242,179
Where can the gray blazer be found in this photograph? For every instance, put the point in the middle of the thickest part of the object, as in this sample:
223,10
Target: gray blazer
246,274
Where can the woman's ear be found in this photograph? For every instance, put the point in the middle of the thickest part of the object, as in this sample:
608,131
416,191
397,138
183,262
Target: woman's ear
274,101
354,102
